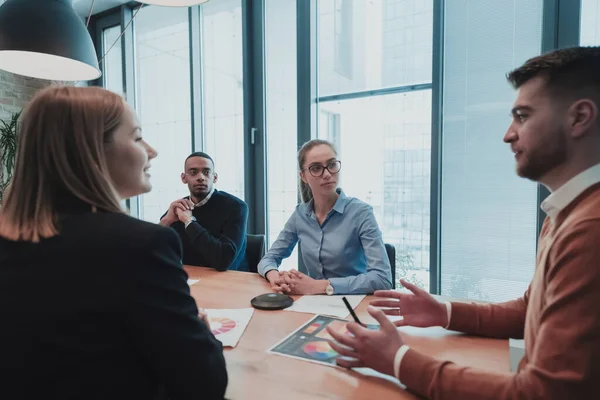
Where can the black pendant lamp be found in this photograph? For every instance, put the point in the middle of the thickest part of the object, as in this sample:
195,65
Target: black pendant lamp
46,39
174,3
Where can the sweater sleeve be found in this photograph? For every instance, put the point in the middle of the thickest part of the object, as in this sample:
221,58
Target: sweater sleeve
503,320
563,360
221,251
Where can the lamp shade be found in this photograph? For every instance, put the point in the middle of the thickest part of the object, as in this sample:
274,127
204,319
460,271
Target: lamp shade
46,39
174,3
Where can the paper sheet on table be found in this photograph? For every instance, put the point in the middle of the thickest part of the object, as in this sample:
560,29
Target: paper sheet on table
325,305
192,281
310,342
228,325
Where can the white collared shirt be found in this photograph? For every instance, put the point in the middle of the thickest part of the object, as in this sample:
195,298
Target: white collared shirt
206,199
564,195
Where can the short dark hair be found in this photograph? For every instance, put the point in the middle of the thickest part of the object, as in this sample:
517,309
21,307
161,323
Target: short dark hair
572,71
200,154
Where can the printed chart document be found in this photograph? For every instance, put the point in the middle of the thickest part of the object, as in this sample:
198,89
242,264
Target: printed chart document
326,305
192,281
228,325
310,342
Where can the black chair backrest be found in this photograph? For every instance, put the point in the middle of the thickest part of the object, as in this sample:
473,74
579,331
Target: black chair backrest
391,252
256,247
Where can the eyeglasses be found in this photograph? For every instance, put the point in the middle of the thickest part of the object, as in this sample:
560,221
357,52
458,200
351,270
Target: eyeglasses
194,173
317,170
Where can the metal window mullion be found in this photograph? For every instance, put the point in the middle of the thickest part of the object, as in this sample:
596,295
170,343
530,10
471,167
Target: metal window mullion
196,69
435,212
129,84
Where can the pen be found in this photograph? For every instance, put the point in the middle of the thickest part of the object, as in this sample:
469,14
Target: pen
351,311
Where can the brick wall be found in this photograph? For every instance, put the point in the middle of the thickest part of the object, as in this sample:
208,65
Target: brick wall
16,91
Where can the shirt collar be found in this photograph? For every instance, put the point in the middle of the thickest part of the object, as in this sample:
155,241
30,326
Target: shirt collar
568,192
206,199
339,206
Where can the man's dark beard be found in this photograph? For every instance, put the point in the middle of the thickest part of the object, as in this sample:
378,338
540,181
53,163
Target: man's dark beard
543,160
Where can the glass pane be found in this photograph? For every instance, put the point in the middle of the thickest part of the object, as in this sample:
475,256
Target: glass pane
223,92
390,170
489,214
366,44
163,101
280,58
112,66
590,23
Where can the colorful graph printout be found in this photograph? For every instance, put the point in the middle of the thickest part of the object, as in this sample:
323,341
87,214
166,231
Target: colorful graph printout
228,325
310,342
220,325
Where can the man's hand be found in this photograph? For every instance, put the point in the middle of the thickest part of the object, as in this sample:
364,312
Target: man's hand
184,216
171,217
368,348
418,308
300,283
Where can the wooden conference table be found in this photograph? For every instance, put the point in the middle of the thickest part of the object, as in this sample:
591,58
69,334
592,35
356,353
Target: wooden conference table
254,374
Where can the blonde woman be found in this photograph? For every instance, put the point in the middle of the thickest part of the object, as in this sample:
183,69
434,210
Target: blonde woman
93,303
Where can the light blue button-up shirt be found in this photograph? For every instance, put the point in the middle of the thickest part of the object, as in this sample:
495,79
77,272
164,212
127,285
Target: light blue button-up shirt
347,248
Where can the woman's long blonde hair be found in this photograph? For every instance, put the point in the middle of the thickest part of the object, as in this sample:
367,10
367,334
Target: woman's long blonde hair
61,155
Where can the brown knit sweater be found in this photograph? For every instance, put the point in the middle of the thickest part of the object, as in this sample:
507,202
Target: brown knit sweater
559,317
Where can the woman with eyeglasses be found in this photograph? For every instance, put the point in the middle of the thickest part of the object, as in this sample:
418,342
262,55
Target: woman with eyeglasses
341,244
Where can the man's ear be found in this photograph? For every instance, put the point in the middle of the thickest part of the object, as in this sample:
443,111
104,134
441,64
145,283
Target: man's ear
216,177
183,178
583,116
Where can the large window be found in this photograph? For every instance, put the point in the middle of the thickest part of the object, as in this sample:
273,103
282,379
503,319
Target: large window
163,101
223,91
590,23
365,45
488,213
112,65
383,138
282,173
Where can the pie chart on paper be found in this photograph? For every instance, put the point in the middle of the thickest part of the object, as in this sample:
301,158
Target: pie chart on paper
221,325
319,350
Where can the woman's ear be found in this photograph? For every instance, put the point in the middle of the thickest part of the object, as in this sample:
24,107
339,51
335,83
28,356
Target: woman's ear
302,177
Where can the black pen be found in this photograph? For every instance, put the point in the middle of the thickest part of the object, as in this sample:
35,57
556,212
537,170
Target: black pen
351,311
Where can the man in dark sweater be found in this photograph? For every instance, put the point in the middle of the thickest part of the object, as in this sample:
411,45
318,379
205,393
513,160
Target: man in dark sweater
210,223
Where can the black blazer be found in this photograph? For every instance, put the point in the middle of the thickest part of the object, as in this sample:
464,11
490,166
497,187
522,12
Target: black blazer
103,311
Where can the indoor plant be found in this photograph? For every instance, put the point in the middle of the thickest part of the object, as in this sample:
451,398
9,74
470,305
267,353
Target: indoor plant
8,150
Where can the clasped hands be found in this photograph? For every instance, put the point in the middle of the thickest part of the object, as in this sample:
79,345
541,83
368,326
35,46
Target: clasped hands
295,282
179,210
376,349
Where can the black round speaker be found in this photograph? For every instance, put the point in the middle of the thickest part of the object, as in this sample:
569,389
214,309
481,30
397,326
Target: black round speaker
272,301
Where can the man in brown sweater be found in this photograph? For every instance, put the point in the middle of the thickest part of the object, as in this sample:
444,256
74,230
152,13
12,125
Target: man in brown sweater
555,136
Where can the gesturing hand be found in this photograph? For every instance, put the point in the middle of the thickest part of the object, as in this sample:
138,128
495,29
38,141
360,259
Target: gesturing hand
368,348
418,308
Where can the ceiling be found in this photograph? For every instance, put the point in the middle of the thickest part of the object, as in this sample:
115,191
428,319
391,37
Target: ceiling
82,7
